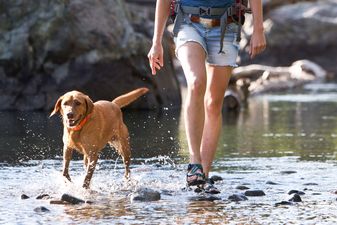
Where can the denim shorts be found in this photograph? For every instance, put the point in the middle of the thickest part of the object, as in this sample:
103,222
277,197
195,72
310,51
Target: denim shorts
209,39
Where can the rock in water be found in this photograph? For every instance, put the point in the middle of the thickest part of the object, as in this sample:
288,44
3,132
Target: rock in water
145,195
296,198
43,196
71,199
254,193
216,178
283,203
237,197
41,209
296,192
23,196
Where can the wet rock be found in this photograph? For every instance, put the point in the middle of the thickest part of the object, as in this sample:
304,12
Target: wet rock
41,209
296,192
242,187
145,195
43,196
272,183
296,198
286,172
283,203
310,184
198,190
209,198
71,199
23,196
254,193
58,202
216,178
237,197
186,189
316,193
167,192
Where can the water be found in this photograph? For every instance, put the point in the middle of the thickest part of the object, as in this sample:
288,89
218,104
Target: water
286,139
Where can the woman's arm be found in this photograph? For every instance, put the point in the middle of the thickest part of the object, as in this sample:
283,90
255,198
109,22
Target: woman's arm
258,40
156,53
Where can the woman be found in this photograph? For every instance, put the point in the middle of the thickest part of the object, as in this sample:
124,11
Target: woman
207,59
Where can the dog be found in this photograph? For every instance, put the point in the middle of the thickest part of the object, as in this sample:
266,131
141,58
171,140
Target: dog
89,126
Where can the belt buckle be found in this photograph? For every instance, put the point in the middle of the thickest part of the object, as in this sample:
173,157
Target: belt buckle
206,22
204,11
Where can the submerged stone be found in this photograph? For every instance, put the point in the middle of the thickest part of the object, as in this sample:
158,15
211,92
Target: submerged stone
283,203
71,199
145,195
288,172
254,193
209,198
296,198
41,209
272,183
310,184
237,197
23,196
242,187
167,192
296,192
43,196
215,178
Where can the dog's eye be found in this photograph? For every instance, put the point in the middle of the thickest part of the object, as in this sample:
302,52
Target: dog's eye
77,102
66,103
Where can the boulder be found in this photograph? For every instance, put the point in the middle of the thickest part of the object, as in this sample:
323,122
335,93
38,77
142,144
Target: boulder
304,30
98,47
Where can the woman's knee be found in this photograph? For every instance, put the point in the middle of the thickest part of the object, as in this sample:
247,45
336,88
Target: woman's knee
196,85
213,106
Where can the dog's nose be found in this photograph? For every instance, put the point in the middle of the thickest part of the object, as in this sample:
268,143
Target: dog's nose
70,115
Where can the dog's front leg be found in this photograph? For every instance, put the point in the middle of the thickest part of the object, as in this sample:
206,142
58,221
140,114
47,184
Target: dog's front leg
67,154
92,161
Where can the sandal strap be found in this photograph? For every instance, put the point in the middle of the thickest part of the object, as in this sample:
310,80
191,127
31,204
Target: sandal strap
195,170
210,188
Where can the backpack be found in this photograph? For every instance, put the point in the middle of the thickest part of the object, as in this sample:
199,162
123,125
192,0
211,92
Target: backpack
239,8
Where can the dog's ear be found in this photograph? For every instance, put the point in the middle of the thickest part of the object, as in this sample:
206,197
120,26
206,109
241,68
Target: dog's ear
90,104
57,106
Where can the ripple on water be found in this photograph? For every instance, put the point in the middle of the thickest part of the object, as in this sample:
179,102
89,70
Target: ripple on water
111,194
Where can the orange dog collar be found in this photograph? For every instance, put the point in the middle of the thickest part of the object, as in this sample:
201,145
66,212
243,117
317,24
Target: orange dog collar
81,124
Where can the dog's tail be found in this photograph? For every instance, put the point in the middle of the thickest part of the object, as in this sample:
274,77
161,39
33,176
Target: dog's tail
127,98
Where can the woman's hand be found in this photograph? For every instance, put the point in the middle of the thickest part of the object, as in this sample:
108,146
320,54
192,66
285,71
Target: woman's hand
155,56
257,43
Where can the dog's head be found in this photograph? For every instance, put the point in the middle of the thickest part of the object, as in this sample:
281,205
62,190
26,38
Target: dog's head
74,106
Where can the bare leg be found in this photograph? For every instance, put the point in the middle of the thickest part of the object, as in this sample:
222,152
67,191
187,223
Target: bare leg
192,59
217,82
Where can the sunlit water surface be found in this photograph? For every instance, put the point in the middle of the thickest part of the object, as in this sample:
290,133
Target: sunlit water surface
278,143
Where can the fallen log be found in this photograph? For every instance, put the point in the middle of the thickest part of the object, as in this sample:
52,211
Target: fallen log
263,79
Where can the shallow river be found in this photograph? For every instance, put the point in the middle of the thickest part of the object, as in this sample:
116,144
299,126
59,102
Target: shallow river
278,143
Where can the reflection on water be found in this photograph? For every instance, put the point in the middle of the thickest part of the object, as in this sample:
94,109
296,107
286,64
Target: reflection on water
274,133
296,124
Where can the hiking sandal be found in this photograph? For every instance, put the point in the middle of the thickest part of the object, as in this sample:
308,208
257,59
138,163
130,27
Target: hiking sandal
195,175
210,188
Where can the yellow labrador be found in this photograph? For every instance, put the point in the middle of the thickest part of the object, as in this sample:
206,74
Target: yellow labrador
89,126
